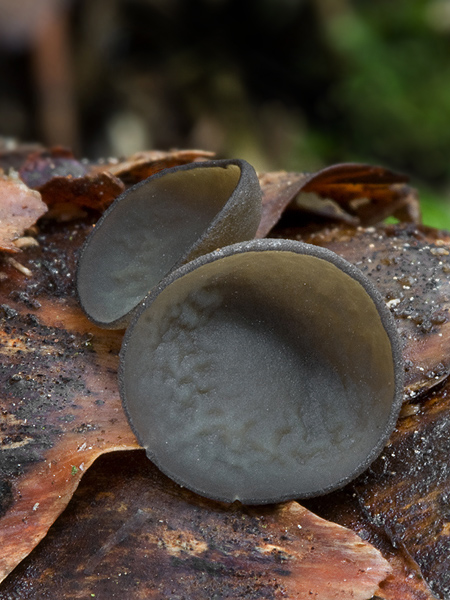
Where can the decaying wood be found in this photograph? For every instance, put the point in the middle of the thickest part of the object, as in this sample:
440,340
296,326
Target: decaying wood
152,539
60,407
406,493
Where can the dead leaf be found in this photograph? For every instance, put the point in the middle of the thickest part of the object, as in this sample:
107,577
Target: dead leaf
326,208
350,193
20,208
130,529
278,190
61,179
59,401
141,165
91,191
368,192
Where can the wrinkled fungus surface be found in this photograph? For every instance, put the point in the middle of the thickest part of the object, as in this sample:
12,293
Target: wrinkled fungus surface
264,371
160,223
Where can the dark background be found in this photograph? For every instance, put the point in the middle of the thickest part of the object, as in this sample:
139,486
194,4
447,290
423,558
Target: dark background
286,84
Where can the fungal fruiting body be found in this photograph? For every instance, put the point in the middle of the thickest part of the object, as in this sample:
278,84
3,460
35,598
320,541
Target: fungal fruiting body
158,224
264,371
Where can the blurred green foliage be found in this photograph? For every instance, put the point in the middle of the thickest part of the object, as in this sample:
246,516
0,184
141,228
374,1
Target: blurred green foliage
435,209
393,91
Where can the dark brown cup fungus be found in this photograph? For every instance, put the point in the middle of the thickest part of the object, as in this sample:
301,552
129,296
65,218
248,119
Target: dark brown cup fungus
157,225
264,371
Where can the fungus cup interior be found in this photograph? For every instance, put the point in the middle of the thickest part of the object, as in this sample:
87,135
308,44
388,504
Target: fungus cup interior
158,224
263,372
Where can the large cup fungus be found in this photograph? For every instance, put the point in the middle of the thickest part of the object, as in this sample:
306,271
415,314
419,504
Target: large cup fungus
264,371
158,224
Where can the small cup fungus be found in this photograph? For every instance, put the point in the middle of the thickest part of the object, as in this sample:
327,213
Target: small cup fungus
158,224
261,372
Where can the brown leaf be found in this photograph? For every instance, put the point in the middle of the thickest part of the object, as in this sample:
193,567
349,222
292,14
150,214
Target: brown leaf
62,180
130,529
141,165
20,208
348,192
91,191
368,192
278,190
59,403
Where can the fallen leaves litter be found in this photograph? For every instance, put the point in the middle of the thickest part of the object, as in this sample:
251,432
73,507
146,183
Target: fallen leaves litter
130,528
60,408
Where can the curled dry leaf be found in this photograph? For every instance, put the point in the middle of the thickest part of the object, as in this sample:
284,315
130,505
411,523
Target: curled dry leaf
351,193
20,208
278,190
369,193
130,526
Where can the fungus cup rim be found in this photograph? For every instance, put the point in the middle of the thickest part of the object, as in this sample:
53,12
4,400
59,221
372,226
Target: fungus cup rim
246,170
280,245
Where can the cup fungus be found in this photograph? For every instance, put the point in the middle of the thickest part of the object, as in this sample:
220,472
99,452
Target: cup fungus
158,224
261,372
